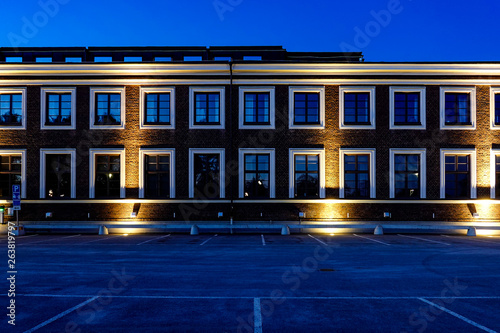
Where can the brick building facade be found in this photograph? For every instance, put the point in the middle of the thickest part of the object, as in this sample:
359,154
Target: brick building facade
249,133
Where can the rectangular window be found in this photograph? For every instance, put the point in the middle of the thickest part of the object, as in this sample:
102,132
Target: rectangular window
407,108
107,109
497,176
58,109
357,176
157,183
457,109
357,108
306,108
11,109
206,175
457,176
207,108
157,108
256,108
107,181
58,176
257,172
10,174
306,176
407,175
497,109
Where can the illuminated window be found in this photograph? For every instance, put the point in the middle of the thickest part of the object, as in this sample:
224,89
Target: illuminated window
107,173
157,173
107,108
457,108
357,173
357,107
306,107
458,173
10,173
206,173
58,108
12,108
256,173
257,169
57,173
407,107
206,108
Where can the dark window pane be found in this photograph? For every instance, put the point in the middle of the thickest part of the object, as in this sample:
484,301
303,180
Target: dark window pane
207,175
58,176
10,174
108,109
356,172
457,109
157,107
306,108
256,175
306,176
107,176
256,108
356,108
406,108
157,176
207,108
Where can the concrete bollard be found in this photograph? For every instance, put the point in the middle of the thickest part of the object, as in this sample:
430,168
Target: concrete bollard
378,230
195,230
103,230
471,231
285,230
19,231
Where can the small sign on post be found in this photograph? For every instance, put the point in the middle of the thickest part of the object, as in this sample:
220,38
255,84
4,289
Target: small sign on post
16,197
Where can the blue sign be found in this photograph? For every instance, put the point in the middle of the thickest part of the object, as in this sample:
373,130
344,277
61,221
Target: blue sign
16,197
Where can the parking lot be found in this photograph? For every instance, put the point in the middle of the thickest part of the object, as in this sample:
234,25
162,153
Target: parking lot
255,283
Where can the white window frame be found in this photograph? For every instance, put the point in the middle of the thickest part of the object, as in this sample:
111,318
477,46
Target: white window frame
96,90
222,105
142,168
241,117
493,180
21,152
472,95
222,168
321,168
43,108
291,107
142,108
458,151
241,169
92,174
372,172
493,91
24,105
43,176
362,89
423,169
392,110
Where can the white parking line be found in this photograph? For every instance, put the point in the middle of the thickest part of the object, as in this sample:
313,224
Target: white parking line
98,240
208,240
472,239
257,316
62,314
263,240
17,237
373,240
473,323
46,240
426,240
317,240
154,239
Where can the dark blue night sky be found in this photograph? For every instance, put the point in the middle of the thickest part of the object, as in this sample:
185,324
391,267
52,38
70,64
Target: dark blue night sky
385,30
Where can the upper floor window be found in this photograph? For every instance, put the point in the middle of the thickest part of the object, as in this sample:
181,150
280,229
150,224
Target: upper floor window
307,107
206,107
256,109
457,108
307,173
407,107
458,173
357,107
58,108
357,173
157,109
495,108
107,108
12,108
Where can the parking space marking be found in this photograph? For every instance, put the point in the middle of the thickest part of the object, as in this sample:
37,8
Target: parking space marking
263,240
426,240
98,240
257,315
318,240
472,239
154,239
373,240
46,240
208,240
62,314
473,323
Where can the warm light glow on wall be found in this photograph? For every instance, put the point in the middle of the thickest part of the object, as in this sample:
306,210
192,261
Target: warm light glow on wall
487,232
